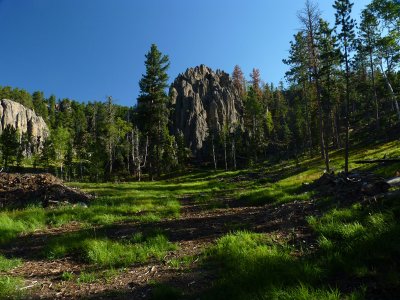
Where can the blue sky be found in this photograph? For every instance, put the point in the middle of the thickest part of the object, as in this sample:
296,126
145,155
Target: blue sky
89,49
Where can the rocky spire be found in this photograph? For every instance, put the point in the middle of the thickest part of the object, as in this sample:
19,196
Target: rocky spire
204,101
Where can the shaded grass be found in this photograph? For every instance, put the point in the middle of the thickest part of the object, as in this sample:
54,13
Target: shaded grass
165,292
362,242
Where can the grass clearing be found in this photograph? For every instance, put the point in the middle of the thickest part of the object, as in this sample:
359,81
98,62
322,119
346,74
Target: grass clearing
357,244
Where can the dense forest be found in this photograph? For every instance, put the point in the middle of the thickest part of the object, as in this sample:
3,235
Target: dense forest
343,80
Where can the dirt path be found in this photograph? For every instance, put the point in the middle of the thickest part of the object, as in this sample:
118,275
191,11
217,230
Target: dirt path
196,229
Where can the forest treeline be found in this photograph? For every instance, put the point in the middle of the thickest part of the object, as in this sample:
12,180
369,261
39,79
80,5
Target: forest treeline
342,77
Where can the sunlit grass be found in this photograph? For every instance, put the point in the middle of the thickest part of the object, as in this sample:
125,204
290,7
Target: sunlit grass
253,266
10,287
9,263
99,250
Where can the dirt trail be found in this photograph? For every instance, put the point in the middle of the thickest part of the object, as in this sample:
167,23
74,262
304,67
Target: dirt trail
193,231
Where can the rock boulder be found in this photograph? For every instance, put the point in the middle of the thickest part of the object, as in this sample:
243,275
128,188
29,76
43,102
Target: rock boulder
204,102
24,120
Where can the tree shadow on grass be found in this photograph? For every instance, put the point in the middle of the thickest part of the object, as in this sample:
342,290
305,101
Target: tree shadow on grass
204,226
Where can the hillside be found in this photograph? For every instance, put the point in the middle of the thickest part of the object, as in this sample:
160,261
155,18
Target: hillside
250,234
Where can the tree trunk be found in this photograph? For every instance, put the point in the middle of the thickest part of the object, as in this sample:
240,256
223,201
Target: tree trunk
234,152
213,153
393,96
374,90
346,154
226,162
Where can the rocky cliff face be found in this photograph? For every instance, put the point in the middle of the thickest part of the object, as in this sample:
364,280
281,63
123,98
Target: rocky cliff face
204,101
23,119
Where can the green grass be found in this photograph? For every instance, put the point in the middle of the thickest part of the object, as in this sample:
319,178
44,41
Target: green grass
15,222
165,292
109,253
8,264
361,242
67,276
85,277
182,262
10,287
115,203
357,245
253,266
104,252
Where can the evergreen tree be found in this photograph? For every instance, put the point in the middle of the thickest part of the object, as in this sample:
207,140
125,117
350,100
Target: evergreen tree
9,145
299,77
309,18
152,107
368,38
48,154
329,57
51,103
239,81
346,37
61,139
39,104
388,45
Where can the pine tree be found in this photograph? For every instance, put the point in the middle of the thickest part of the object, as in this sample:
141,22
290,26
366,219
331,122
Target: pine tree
388,45
51,102
329,60
368,38
346,37
153,107
39,104
239,81
309,18
9,144
298,75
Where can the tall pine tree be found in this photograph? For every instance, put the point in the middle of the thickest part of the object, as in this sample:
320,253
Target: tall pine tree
153,107
346,37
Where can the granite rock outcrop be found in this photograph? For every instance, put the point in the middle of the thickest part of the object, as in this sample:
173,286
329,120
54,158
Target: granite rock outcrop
205,102
25,120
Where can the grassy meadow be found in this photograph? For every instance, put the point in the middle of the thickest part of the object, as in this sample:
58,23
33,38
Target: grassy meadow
351,251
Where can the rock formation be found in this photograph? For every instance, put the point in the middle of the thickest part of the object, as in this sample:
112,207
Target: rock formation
24,120
204,102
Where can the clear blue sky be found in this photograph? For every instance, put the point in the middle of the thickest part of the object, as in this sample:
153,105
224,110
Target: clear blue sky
88,49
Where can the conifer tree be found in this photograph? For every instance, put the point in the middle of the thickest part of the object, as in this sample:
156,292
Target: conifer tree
9,144
39,104
153,107
368,38
346,37
239,81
